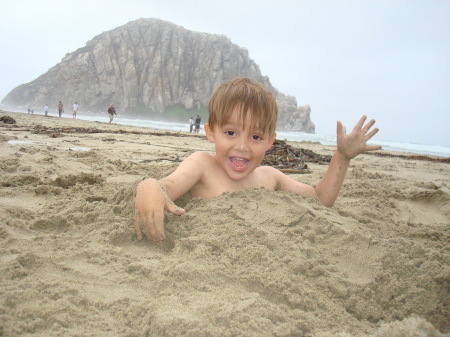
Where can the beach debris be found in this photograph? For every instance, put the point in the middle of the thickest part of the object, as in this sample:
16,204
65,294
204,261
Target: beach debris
290,156
80,148
58,132
7,120
289,159
445,160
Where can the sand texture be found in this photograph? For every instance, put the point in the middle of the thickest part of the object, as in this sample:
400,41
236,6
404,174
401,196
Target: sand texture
250,263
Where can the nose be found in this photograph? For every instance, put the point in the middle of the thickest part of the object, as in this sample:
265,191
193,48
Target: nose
242,143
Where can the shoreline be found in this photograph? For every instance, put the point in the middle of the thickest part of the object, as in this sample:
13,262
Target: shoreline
249,263
387,147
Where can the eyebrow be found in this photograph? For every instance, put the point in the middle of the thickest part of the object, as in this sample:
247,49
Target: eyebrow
229,124
258,130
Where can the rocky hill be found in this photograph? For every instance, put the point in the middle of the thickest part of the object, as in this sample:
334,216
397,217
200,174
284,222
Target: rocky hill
154,68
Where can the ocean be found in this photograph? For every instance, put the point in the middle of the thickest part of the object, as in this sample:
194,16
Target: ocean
434,150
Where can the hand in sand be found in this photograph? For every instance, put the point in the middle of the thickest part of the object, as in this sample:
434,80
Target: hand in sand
355,142
150,203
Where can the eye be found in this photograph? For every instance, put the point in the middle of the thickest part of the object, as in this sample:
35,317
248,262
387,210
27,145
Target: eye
256,137
230,133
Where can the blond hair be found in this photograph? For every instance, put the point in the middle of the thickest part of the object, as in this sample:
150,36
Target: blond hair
255,102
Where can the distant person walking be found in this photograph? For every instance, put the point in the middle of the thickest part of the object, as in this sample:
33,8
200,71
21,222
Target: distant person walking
198,120
191,124
46,109
60,108
112,112
74,110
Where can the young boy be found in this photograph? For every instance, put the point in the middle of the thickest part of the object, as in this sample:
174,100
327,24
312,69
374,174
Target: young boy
241,124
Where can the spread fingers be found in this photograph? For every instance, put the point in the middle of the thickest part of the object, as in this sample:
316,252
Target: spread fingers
367,127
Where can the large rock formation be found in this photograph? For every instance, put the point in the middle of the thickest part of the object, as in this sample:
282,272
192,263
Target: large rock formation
150,66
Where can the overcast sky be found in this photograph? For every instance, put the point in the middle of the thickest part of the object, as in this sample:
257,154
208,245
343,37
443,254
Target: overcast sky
389,59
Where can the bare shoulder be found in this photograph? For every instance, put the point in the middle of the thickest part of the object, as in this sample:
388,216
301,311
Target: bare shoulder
191,169
269,171
283,182
268,176
200,156
199,159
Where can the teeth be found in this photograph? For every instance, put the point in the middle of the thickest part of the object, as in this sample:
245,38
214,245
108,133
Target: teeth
239,163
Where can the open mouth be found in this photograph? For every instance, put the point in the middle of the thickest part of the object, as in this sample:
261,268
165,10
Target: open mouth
239,164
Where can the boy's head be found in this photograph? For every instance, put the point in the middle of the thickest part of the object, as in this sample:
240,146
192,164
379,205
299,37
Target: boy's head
255,102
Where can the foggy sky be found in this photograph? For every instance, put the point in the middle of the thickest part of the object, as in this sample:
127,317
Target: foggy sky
388,59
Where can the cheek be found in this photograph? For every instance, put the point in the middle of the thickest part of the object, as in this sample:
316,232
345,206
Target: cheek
260,151
221,148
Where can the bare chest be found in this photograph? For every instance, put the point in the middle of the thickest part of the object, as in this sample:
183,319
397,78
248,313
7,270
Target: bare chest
216,183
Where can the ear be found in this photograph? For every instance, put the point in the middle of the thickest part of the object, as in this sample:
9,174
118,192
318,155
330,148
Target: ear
272,139
209,132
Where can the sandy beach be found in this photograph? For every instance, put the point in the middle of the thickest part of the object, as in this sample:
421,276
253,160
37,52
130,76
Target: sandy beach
250,263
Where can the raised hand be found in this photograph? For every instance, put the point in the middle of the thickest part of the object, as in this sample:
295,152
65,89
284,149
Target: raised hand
354,143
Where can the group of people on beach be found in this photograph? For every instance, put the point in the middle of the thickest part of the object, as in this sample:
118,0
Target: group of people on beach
194,124
111,110
61,109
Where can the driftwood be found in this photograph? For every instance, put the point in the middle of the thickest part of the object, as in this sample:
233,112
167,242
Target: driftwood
58,132
295,171
290,159
7,120
411,157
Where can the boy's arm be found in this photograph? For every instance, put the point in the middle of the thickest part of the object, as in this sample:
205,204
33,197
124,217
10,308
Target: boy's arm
153,197
348,147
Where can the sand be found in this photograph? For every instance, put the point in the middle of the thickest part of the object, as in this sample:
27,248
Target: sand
250,263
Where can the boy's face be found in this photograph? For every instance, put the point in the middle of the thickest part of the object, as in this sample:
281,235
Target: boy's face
239,150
